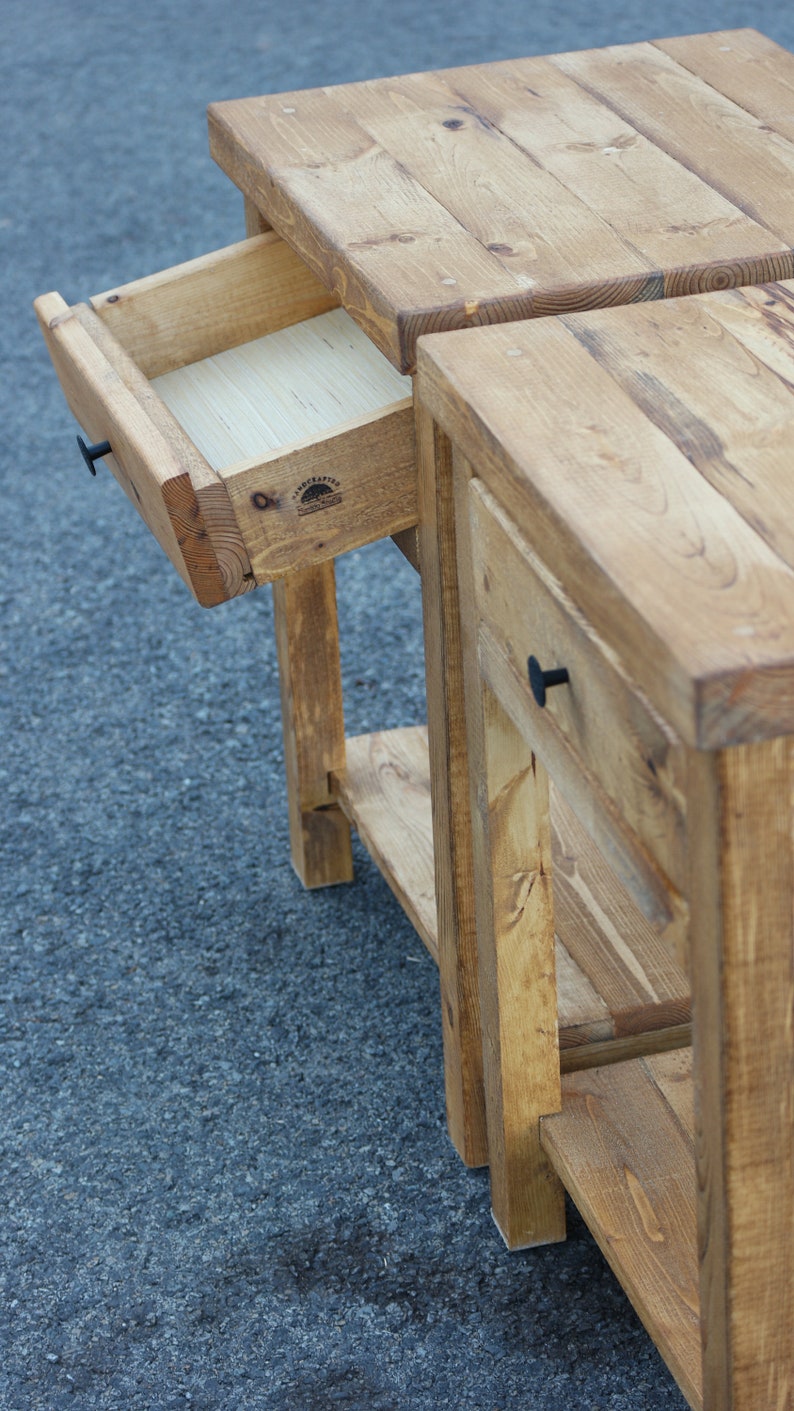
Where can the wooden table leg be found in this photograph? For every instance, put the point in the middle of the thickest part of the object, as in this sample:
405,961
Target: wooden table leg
742,895
511,847
307,639
457,932
518,990
255,222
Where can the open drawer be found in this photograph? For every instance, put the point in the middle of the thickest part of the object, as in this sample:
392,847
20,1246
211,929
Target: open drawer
253,425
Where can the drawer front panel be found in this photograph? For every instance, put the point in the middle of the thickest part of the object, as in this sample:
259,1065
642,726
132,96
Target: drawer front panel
599,719
178,496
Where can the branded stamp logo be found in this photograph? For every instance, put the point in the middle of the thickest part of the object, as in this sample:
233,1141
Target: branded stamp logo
319,492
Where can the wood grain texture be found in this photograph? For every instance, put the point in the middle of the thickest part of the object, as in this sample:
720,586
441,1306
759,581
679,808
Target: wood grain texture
504,191
176,492
667,571
217,301
754,72
614,733
508,803
385,792
743,986
407,541
307,641
457,925
624,1149
609,938
318,498
439,128
735,152
625,184
518,992
328,186
291,385
697,372
661,904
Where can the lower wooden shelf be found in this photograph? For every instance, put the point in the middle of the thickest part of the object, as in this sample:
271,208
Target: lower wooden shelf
623,1148
620,991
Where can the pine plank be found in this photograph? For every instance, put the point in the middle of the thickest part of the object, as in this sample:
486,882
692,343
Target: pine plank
384,788
609,938
621,179
502,191
357,218
201,307
612,731
385,791
538,228
652,892
738,154
745,66
742,908
178,495
444,626
625,1153
286,386
696,370
588,476
312,405
317,498
515,902
310,679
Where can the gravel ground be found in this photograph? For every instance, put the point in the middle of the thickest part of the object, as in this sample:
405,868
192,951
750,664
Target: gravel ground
226,1176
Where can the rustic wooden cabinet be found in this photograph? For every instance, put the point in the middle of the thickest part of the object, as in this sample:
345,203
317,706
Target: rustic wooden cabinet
625,559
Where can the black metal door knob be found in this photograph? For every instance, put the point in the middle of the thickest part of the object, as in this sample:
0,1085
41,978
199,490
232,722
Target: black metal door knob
93,453
541,681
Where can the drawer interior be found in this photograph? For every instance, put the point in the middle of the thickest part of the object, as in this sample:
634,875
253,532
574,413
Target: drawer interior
297,383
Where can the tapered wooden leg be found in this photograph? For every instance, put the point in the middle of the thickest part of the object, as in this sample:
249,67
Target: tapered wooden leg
307,640
457,934
740,812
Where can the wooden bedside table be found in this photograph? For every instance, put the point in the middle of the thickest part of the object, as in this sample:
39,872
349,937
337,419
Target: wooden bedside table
626,557
485,194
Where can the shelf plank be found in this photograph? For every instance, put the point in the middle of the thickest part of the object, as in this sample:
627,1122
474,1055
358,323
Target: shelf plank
623,1146
385,792
615,982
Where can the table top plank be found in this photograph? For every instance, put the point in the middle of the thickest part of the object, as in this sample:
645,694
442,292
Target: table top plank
436,127
359,218
697,605
746,67
610,166
695,374
504,191
735,152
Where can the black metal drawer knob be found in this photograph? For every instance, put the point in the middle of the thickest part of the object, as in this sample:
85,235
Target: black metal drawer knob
541,681
93,453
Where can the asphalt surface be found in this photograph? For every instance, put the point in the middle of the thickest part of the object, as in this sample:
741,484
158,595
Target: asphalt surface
226,1179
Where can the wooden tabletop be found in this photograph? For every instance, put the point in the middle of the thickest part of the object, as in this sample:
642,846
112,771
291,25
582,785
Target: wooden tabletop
647,455
532,186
